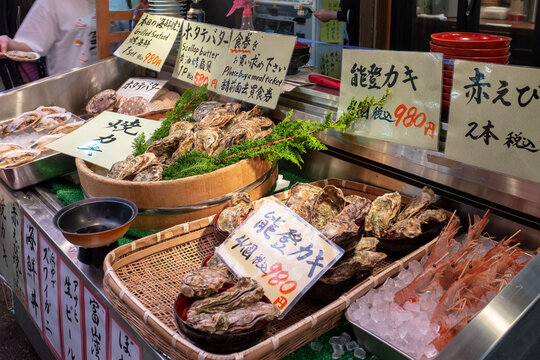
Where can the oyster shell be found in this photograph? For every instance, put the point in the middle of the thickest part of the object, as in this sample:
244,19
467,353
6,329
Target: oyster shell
205,108
134,166
206,140
202,282
299,193
384,210
102,101
6,147
406,228
231,217
184,145
153,173
327,205
245,115
344,270
119,166
17,55
17,157
420,202
181,126
52,121
215,263
40,143
135,105
245,292
438,215
166,144
220,117
49,110
22,121
67,128
366,243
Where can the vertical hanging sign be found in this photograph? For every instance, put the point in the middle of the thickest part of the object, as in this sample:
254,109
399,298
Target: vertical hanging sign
50,289
11,260
493,121
31,271
5,259
122,345
71,309
95,327
411,114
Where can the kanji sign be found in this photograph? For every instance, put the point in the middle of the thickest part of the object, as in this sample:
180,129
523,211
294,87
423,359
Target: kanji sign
50,287
32,271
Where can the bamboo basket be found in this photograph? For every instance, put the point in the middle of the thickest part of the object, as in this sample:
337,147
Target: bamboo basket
175,202
142,282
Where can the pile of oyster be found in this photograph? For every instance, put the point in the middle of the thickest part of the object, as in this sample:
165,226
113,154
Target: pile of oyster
24,138
234,310
217,126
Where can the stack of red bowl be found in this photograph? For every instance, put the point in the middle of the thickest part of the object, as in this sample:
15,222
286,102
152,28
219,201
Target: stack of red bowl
468,46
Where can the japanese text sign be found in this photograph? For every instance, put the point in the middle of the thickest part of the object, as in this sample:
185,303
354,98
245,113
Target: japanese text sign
49,294
281,251
71,308
411,114
105,139
146,88
255,67
331,31
150,41
122,344
95,326
31,270
201,53
493,121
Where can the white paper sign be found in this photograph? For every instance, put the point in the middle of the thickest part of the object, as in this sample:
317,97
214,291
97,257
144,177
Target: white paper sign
70,305
145,88
31,271
95,325
493,121
281,251
50,289
201,54
411,113
106,139
122,344
11,260
5,259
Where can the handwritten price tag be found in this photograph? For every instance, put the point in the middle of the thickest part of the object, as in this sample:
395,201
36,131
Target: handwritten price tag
411,114
146,88
150,41
280,250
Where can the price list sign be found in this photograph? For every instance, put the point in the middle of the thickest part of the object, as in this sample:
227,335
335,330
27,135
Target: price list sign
95,326
31,271
411,114
50,294
493,121
281,251
201,53
123,346
146,88
150,41
255,67
11,260
70,304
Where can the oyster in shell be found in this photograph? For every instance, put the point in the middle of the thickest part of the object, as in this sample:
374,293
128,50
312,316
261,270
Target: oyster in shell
438,215
153,173
231,217
6,147
299,193
23,121
215,263
119,166
134,166
48,110
167,144
52,121
245,292
204,108
344,270
40,143
181,126
68,128
328,204
245,115
366,243
134,106
184,145
17,157
202,282
406,228
384,210
419,203
102,101
220,116
206,140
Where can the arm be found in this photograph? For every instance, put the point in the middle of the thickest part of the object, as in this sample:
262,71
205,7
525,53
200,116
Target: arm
325,15
8,44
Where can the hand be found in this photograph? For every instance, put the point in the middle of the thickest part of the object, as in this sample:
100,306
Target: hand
4,41
142,5
325,15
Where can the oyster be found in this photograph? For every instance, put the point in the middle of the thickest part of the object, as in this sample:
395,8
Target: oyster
366,243
244,115
17,55
234,321
253,128
102,101
438,215
420,202
167,144
40,143
153,173
205,108
6,147
215,263
206,140
245,292
406,228
344,270
68,128
22,121
134,166
181,126
384,210
134,106
202,282
184,145
299,193
231,217
17,157
119,166
327,205
220,117
52,121
49,110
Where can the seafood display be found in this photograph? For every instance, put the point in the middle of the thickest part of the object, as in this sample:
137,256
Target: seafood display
217,127
105,100
17,157
22,56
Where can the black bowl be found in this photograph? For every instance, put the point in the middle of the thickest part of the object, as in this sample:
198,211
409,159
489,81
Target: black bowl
300,57
323,294
216,343
406,245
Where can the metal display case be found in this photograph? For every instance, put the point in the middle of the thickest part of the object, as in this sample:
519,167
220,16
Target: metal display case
505,326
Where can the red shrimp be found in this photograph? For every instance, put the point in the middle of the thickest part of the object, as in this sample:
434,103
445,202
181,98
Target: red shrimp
444,243
447,334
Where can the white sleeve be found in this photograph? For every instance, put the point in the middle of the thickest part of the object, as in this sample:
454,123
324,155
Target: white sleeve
39,29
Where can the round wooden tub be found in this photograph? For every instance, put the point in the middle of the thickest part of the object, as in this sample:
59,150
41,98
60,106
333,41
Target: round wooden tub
164,204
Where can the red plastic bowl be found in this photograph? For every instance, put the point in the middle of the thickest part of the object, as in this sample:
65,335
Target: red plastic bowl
447,81
470,40
448,67
493,59
447,88
446,96
468,52
448,74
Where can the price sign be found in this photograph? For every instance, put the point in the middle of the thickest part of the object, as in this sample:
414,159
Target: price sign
150,41
331,31
146,88
201,52
31,271
493,121
123,346
95,326
50,289
280,250
70,305
411,113
255,67
106,139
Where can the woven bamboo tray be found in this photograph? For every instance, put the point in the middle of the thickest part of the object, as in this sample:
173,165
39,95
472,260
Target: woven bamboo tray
142,282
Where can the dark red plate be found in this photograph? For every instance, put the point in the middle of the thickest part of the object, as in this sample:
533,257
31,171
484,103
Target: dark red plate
448,74
493,59
445,105
470,40
447,81
446,96
468,52
447,88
